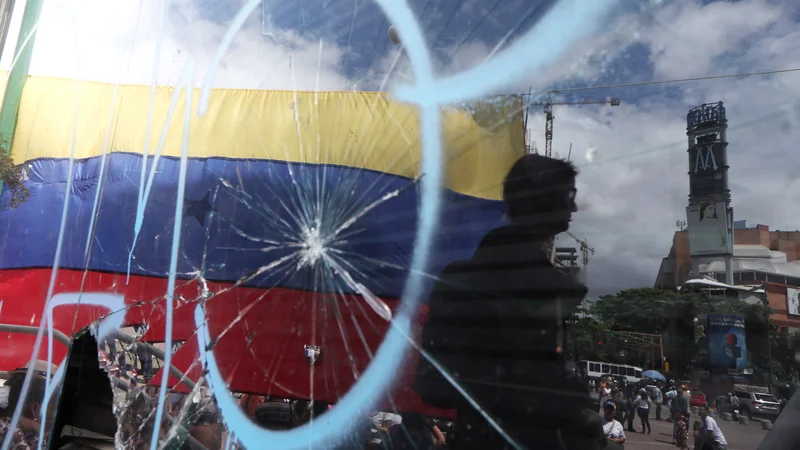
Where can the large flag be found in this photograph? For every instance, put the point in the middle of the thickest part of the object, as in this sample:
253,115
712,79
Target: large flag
298,226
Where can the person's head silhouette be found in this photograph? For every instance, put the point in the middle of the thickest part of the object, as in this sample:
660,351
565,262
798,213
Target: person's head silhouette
540,193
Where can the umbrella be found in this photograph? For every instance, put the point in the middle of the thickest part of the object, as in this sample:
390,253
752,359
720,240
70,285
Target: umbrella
654,374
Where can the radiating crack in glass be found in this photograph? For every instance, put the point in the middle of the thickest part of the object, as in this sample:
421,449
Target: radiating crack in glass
312,238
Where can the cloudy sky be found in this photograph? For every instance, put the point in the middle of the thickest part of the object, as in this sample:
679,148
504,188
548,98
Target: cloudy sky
634,188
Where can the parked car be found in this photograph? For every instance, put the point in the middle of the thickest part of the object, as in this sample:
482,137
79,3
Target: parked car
698,397
756,403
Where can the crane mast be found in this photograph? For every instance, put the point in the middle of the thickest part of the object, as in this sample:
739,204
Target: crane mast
550,247
548,111
548,130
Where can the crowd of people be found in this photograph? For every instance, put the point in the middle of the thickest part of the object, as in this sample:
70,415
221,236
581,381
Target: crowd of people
193,422
623,404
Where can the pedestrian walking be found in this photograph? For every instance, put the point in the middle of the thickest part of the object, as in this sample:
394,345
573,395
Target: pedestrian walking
658,399
620,406
643,410
679,404
604,395
682,435
631,413
670,395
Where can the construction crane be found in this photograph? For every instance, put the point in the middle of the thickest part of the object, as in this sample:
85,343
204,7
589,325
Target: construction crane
585,249
548,111
566,256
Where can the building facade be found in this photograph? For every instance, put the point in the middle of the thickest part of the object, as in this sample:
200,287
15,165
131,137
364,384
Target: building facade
761,258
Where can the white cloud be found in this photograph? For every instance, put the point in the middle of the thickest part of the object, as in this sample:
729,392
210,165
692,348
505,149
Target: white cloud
688,39
637,185
394,67
120,37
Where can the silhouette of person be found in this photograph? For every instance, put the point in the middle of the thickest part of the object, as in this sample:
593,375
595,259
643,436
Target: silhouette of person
497,324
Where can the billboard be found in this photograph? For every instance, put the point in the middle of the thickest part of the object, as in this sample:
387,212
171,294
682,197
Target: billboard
793,301
708,169
726,343
708,229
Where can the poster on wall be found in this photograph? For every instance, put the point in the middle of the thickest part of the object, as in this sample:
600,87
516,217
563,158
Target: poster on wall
793,301
708,229
726,343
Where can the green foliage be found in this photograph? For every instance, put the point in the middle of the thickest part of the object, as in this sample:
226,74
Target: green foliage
11,175
584,335
666,313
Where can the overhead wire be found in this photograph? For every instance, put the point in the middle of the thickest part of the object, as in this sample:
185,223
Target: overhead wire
678,80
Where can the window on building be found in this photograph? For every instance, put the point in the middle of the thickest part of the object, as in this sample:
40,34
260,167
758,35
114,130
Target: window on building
748,276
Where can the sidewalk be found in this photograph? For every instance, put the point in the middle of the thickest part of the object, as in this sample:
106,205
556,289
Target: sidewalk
739,437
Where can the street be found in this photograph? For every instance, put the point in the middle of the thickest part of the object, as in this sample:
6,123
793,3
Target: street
739,437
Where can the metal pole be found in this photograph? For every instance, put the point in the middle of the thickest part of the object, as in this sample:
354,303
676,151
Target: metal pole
6,9
769,341
25,329
661,345
18,74
729,270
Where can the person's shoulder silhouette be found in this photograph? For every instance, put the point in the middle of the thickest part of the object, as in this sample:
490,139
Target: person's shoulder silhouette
496,322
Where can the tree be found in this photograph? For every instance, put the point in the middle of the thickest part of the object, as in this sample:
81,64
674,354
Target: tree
585,340
785,348
670,314
12,175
